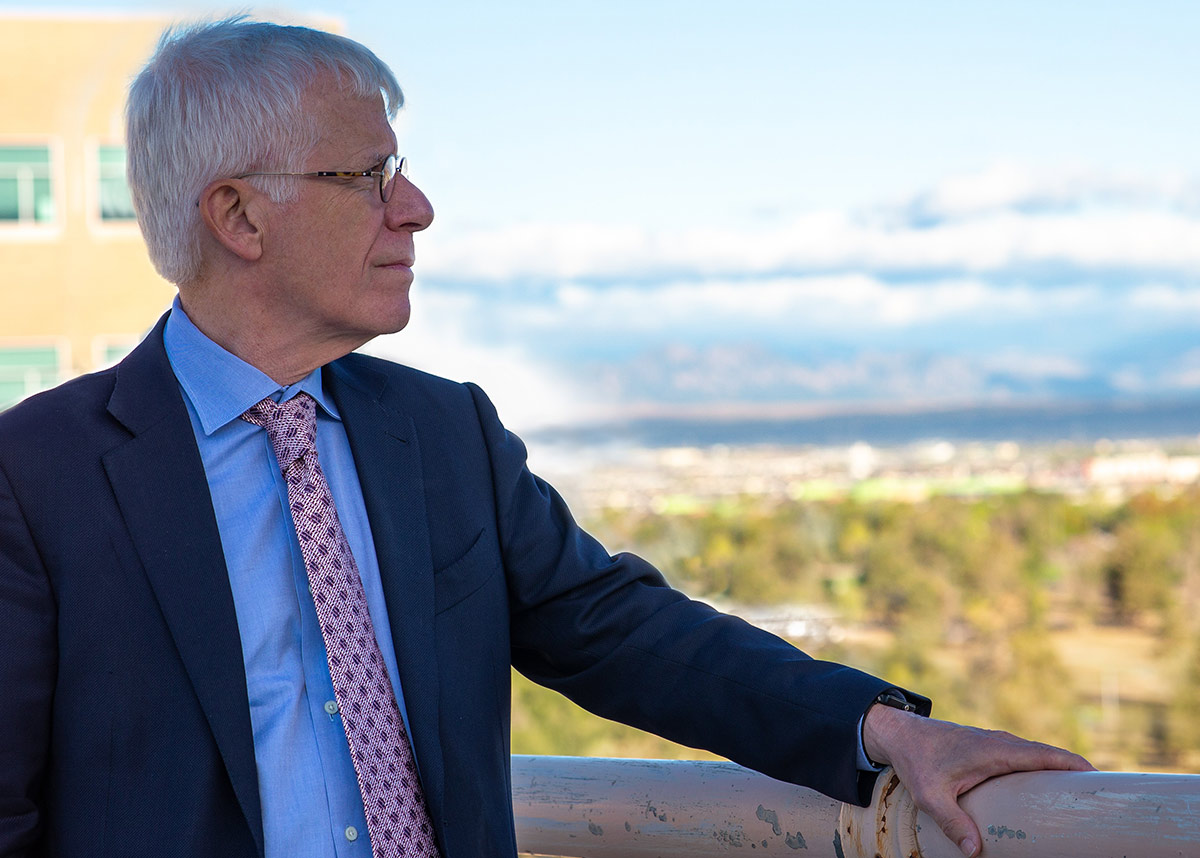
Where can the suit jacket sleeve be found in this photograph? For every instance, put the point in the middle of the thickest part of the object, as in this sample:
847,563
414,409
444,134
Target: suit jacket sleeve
27,674
609,633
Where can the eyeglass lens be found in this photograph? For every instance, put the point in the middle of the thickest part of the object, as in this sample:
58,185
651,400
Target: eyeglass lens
387,176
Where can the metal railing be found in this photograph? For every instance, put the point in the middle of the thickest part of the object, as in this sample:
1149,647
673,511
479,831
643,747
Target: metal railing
602,808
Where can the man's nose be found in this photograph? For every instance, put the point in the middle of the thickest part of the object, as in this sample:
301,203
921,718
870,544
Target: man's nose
408,208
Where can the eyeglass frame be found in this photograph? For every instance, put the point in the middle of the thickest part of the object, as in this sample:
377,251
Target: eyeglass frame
399,167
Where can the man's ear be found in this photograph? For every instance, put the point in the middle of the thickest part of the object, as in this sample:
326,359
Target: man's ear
231,212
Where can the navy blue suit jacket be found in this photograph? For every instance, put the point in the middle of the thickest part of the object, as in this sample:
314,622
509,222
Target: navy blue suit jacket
125,727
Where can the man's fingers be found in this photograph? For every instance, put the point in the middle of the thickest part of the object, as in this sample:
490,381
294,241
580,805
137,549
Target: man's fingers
1066,761
1061,761
939,761
1035,756
956,825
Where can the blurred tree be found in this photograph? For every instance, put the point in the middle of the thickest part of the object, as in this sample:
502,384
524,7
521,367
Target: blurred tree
963,598
1182,732
1145,563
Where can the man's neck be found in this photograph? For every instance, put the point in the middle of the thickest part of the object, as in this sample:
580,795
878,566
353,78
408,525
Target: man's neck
262,339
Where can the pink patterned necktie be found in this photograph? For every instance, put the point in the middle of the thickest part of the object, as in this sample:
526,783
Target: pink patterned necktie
397,818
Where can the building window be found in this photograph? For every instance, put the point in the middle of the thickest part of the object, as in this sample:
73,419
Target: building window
25,370
108,350
116,203
25,195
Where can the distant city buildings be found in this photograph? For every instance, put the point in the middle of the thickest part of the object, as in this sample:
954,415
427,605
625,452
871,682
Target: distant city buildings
1141,468
686,479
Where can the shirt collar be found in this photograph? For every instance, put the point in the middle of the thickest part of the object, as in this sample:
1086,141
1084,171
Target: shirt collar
220,385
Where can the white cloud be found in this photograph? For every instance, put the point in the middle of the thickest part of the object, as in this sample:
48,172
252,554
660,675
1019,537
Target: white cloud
1000,186
1009,185
1100,222
1166,299
1035,366
965,264
526,392
799,304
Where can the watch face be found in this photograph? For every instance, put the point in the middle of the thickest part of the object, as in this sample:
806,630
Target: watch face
896,700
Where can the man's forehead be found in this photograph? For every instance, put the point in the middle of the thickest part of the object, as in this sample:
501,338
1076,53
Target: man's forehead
329,94
355,125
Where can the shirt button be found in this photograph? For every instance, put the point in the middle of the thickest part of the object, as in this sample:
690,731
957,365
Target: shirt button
331,709
351,833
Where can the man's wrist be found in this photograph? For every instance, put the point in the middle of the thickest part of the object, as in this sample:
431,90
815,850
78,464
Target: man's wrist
879,723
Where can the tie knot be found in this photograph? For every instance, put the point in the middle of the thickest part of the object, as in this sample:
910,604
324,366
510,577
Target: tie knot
291,426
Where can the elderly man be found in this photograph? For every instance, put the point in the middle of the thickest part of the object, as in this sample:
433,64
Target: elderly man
259,595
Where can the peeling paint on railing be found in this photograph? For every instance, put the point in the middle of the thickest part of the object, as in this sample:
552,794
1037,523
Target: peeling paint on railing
601,808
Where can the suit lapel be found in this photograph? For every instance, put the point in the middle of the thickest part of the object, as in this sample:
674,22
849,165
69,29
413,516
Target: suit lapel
159,482
162,491
388,462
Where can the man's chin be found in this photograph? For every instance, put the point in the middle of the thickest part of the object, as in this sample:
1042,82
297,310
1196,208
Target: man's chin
398,324
391,323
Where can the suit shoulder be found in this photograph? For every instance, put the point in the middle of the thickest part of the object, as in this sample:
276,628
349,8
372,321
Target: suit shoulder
432,402
397,379
61,428
67,404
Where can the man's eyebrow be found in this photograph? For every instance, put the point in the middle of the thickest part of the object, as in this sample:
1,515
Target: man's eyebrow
379,157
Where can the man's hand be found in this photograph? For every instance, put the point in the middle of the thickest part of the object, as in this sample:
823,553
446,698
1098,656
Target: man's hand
937,761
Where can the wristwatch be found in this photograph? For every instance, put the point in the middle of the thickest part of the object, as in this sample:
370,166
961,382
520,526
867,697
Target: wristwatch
895,700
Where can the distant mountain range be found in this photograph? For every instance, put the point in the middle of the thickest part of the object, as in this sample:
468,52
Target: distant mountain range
1073,421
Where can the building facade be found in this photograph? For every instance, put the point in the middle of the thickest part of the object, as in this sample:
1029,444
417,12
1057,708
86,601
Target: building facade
78,287
77,290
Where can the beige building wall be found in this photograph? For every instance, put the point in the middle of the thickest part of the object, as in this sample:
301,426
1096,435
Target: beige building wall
77,289
70,280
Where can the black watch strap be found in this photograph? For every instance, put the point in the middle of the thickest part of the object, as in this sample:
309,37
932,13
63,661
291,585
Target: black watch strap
896,700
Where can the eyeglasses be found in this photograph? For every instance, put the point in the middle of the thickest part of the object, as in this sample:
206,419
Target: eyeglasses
387,176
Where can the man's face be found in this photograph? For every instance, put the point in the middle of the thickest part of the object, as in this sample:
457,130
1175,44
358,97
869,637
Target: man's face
341,259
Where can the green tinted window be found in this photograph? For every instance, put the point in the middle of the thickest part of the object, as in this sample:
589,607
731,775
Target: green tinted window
112,354
115,200
25,193
25,370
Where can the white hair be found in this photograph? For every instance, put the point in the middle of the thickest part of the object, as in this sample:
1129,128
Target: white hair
223,98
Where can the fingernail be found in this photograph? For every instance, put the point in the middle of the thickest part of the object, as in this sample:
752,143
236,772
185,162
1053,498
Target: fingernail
968,846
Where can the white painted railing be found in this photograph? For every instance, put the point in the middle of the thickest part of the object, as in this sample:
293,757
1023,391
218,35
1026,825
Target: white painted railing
600,808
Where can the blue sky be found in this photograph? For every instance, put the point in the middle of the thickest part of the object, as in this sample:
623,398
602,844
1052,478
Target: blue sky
646,205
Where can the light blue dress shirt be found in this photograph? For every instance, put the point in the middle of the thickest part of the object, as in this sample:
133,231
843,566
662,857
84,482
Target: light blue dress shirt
311,804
